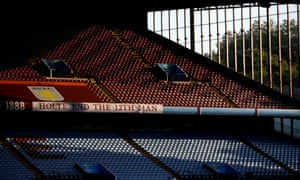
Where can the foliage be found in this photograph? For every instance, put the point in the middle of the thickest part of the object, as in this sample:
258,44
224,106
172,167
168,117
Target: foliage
284,59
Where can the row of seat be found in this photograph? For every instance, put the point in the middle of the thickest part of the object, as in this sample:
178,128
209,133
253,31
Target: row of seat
106,148
116,58
185,154
11,168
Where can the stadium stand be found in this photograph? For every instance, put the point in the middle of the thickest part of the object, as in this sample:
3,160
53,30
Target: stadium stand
117,118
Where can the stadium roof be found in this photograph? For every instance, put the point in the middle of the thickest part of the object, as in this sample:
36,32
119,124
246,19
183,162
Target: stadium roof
171,4
29,17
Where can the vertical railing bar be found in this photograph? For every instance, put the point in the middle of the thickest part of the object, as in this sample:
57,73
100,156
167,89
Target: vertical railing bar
185,26
243,40
289,52
153,21
169,21
218,36
234,40
260,47
269,38
226,38
298,25
177,28
251,43
161,23
209,33
279,49
192,29
202,35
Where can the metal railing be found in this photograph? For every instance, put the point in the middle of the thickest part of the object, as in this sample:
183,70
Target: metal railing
260,42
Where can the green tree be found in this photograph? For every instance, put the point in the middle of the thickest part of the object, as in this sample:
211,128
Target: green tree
260,53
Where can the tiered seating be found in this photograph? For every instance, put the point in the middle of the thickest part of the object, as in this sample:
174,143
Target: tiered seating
11,168
279,148
169,94
97,91
116,67
119,60
240,94
155,52
187,153
56,154
17,72
246,96
106,148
